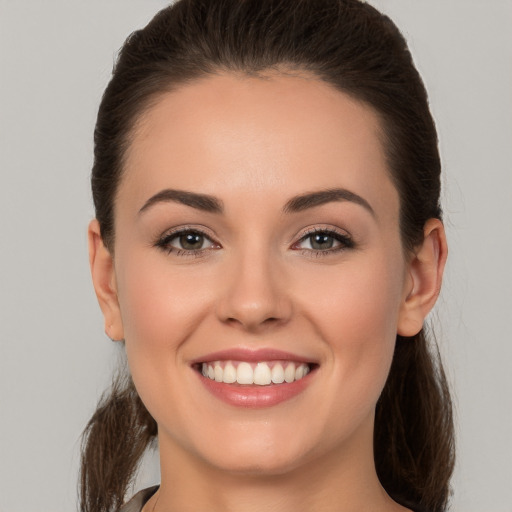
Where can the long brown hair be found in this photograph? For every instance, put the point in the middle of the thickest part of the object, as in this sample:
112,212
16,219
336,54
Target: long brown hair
350,45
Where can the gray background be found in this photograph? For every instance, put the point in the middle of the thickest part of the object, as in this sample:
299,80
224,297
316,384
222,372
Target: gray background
55,60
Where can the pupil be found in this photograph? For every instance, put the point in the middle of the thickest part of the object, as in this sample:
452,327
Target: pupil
191,241
322,242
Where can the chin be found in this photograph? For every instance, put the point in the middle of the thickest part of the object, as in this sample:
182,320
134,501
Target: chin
256,453
256,465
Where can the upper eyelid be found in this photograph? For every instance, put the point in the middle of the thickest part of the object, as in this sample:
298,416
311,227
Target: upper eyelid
188,229
322,229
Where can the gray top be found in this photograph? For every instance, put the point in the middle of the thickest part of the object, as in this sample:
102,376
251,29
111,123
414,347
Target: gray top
139,500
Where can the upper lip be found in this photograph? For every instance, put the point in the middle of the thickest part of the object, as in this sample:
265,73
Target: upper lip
252,356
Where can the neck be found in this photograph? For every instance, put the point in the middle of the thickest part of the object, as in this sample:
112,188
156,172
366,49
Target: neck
345,480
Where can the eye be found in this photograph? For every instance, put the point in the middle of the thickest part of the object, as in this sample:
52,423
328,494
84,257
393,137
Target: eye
324,241
186,241
189,241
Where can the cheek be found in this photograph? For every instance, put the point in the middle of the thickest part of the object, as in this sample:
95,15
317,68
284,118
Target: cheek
356,311
160,305
358,298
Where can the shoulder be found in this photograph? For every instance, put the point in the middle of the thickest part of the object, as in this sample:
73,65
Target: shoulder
139,500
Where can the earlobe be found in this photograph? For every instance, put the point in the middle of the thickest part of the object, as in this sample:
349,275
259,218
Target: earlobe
103,278
425,276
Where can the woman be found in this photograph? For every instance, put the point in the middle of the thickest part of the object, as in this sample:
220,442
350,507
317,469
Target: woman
267,243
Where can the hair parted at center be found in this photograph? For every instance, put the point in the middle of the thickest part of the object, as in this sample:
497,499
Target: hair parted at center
360,52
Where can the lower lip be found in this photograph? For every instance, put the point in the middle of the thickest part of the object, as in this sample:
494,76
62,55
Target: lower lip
255,397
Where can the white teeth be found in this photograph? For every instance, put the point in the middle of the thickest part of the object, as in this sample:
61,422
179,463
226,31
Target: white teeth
289,373
244,374
278,374
229,374
217,371
261,374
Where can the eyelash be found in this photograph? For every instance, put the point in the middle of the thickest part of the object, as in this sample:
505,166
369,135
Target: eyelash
164,243
345,242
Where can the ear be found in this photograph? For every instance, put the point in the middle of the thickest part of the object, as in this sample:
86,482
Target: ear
425,275
104,281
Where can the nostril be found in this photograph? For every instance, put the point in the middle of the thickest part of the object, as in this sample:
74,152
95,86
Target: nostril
251,308
254,323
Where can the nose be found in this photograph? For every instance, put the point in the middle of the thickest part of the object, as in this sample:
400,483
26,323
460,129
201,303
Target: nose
254,294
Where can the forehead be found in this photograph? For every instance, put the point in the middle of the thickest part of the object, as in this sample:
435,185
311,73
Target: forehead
274,135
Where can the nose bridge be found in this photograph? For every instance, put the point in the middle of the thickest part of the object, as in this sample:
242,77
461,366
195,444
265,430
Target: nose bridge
255,291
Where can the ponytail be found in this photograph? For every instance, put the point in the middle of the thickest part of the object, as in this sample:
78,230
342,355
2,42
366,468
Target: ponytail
113,443
414,432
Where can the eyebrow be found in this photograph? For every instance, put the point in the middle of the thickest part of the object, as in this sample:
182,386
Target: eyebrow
299,203
202,202
312,199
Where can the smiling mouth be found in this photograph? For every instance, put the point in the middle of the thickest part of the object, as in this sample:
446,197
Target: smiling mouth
263,373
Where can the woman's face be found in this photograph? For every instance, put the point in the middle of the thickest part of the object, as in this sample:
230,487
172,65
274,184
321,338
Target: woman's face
257,235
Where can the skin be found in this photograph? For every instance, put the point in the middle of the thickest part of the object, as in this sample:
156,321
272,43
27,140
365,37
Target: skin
254,143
